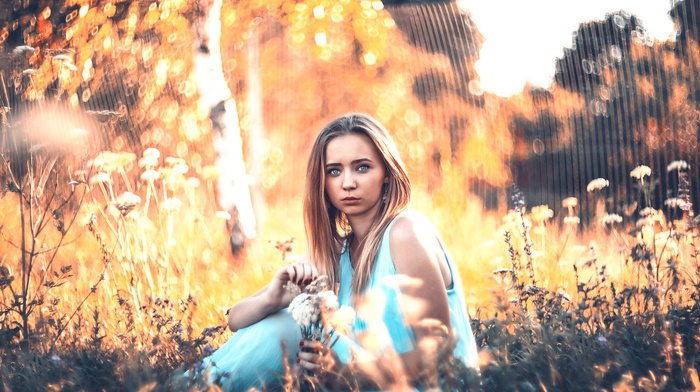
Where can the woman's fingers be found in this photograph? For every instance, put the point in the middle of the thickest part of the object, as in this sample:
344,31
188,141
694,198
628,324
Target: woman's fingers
301,273
315,357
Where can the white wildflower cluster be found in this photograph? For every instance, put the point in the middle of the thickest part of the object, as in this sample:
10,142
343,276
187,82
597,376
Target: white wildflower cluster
305,310
611,219
640,172
677,165
316,308
597,184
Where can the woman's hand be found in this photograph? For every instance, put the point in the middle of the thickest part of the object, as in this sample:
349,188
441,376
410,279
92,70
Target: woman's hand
300,273
273,297
319,359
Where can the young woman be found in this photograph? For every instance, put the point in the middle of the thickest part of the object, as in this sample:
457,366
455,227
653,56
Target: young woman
377,254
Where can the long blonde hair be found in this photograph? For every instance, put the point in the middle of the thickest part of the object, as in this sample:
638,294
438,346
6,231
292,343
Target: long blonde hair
327,228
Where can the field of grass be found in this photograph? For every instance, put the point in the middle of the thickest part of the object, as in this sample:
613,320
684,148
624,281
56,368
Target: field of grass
119,281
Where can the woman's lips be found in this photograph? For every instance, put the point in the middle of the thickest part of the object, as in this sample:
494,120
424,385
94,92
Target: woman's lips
350,200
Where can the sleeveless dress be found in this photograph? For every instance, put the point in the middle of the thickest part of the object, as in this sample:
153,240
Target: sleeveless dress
254,357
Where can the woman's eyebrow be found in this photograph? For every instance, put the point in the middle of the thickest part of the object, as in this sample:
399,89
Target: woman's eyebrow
355,162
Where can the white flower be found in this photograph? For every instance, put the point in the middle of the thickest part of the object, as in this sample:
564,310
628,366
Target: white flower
151,152
329,302
640,172
597,184
675,202
150,175
302,309
128,198
677,165
148,162
541,213
569,202
611,219
100,177
572,220
343,319
648,211
172,204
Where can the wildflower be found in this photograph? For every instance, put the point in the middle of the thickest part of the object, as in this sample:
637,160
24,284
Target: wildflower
677,165
128,198
648,211
150,175
151,153
69,66
569,202
674,202
643,222
207,350
210,173
597,184
602,340
342,319
55,359
313,308
172,204
148,162
23,49
100,177
193,182
62,58
541,213
565,296
640,172
572,220
198,367
611,219
531,290
172,161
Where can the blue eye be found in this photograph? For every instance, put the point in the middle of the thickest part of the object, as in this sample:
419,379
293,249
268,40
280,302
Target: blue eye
333,172
363,168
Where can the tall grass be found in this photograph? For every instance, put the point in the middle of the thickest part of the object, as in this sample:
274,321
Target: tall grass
117,278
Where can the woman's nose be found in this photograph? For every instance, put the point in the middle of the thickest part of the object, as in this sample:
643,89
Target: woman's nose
349,182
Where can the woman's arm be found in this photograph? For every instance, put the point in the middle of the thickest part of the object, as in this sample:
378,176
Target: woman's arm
271,298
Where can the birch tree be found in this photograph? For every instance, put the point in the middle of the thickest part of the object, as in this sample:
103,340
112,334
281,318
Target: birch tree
233,185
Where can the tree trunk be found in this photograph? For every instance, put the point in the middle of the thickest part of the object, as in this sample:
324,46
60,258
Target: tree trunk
233,191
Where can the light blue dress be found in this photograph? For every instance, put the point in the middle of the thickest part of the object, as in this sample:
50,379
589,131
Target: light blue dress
254,357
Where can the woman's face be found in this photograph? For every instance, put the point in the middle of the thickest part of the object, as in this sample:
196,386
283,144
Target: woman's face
355,175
